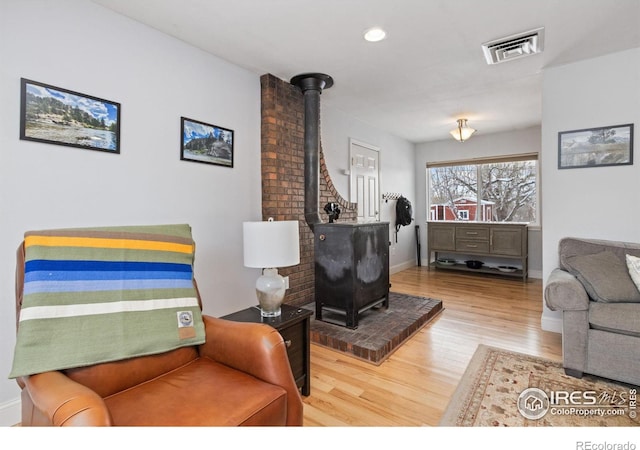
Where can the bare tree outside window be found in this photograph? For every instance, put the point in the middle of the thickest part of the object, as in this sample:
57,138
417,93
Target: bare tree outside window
493,191
448,184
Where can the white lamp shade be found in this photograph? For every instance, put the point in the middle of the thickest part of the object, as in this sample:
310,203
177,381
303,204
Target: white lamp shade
271,244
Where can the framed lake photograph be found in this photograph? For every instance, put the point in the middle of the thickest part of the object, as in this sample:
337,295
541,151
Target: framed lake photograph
205,143
596,147
59,116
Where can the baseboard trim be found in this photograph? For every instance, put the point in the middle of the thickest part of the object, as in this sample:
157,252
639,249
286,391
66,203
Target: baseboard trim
402,266
535,274
10,414
553,324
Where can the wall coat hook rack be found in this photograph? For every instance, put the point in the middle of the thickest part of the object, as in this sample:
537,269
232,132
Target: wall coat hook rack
391,196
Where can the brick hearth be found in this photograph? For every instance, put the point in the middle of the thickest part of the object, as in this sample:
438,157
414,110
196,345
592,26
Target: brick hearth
380,331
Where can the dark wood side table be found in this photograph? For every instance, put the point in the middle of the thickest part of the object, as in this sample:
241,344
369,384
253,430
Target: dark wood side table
294,325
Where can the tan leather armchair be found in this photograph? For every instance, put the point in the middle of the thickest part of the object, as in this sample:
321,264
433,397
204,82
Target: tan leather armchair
239,376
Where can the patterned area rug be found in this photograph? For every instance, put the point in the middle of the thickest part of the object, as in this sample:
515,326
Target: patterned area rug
504,388
380,331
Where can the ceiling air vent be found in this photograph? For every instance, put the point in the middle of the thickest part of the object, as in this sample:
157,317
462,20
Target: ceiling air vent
515,46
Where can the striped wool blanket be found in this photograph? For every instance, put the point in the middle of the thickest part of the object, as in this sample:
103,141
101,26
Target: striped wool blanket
95,295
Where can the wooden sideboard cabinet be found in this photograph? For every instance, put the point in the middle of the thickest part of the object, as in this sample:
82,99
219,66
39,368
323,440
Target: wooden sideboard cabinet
501,246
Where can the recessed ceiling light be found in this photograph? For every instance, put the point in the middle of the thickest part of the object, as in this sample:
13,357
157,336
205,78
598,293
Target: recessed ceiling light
375,34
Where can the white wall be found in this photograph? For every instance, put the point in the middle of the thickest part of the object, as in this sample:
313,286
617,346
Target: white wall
602,202
479,146
396,172
81,46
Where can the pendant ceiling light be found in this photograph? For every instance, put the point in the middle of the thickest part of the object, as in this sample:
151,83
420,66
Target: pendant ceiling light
463,132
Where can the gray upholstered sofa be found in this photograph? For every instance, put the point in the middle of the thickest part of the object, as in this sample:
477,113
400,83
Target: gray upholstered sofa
601,308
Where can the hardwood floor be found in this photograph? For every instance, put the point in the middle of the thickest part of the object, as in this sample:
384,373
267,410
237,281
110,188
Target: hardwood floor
413,386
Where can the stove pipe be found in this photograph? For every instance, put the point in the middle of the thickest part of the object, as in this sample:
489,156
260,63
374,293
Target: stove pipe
311,85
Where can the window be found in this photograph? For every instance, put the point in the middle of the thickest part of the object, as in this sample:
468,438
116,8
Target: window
503,189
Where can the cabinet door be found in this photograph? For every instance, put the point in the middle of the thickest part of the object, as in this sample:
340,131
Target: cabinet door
294,340
442,237
507,241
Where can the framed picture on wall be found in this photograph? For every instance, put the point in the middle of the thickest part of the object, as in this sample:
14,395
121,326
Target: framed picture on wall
59,116
206,143
596,147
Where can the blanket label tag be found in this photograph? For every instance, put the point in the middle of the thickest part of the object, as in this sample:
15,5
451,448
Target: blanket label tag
186,330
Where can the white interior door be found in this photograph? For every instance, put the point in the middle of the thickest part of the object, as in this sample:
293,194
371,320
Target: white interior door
365,173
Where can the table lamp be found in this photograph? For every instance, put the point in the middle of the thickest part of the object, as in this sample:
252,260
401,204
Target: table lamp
269,245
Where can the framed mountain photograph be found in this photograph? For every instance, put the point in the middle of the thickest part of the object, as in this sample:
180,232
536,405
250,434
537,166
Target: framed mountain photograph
206,143
596,147
59,116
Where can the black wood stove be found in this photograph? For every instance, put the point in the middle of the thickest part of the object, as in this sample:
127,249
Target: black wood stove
351,259
351,270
